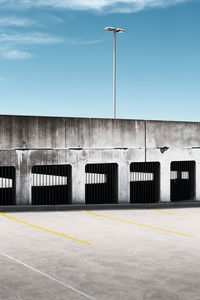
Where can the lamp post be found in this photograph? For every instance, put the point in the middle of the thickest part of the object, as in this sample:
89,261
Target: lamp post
115,30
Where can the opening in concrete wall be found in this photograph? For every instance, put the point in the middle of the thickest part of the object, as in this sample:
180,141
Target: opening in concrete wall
101,186
7,185
51,184
182,180
145,182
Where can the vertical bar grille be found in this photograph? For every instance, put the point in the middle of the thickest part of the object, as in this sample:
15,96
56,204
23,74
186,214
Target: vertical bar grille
7,185
145,182
182,186
101,185
51,185
93,178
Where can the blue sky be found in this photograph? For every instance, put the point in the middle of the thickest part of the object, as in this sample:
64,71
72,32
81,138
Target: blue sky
56,58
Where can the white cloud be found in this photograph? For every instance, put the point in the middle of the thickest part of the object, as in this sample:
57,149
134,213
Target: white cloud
10,44
14,21
16,54
78,42
10,52
124,6
54,19
29,38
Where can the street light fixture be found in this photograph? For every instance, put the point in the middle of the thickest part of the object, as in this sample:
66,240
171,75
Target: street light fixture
115,30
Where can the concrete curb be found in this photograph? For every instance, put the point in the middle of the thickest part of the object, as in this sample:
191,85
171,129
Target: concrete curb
36,208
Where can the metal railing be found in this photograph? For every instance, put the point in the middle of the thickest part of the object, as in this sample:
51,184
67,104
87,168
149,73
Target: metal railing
145,182
101,183
51,185
7,185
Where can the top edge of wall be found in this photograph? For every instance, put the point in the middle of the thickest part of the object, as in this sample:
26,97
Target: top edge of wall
91,118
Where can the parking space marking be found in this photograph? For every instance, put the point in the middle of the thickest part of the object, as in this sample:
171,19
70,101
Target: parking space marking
47,230
142,225
169,213
48,276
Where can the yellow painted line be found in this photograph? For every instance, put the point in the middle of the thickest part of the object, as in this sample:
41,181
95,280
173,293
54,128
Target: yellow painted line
169,213
142,225
44,229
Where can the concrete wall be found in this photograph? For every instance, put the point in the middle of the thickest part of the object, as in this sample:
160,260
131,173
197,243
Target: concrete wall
172,134
65,133
29,141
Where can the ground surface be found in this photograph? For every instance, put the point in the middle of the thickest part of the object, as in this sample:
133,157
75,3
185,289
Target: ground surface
124,261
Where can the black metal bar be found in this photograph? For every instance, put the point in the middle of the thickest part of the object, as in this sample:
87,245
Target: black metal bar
7,185
56,191
103,185
145,184
183,187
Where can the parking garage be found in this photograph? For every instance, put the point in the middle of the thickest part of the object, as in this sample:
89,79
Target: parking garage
69,161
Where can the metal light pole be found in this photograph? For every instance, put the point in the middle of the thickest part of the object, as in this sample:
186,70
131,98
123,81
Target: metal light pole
115,30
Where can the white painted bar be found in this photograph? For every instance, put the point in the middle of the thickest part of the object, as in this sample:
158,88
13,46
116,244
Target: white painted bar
48,180
141,176
5,183
95,178
185,175
173,175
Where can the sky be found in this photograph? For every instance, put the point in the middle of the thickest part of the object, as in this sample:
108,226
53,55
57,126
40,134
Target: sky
56,59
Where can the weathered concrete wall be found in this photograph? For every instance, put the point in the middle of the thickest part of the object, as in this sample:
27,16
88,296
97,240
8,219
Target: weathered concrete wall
172,134
29,141
64,133
31,132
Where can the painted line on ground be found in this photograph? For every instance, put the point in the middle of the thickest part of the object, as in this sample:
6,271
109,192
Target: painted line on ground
174,214
47,230
142,225
48,276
